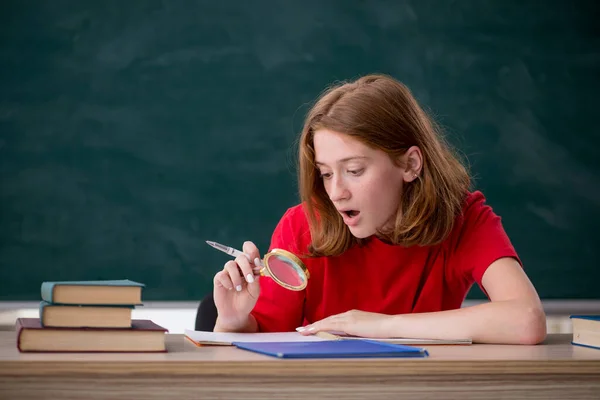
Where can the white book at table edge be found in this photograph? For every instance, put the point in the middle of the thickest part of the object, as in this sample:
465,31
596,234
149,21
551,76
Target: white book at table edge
225,338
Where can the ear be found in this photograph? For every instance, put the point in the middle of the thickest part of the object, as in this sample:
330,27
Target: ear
413,161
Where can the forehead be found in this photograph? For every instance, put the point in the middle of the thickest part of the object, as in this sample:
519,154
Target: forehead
332,147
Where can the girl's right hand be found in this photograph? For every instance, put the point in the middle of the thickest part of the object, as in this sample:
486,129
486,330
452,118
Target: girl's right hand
236,289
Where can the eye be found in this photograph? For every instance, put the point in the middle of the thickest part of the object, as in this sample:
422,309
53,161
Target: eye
356,172
325,175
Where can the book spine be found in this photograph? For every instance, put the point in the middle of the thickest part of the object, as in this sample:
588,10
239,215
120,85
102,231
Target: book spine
43,305
47,291
19,329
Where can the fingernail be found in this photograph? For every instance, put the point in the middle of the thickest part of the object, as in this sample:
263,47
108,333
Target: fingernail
310,328
257,262
238,288
300,329
250,278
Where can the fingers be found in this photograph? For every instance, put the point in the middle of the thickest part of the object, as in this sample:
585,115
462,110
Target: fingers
229,277
333,324
251,251
241,271
246,268
235,274
222,279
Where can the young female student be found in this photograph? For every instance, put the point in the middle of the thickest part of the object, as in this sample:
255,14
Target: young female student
389,231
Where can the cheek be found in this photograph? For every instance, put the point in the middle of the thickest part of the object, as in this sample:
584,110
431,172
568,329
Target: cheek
386,192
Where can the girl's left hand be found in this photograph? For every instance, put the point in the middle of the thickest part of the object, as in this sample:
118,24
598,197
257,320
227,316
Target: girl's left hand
354,322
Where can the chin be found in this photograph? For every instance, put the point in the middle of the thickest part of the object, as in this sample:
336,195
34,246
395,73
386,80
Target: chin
361,233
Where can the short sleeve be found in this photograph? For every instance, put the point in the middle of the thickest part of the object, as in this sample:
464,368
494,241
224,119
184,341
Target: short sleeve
279,309
479,240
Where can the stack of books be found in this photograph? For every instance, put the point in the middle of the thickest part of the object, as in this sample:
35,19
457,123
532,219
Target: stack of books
89,316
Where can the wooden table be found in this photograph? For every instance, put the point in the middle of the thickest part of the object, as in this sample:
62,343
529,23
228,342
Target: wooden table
555,369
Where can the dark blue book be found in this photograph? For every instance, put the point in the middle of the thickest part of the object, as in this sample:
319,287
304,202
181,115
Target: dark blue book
332,349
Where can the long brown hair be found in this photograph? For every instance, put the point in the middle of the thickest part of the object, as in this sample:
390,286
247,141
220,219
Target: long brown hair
383,114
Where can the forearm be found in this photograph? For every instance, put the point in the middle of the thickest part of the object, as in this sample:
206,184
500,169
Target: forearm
248,326
510,322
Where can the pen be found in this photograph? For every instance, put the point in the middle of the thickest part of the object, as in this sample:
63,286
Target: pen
232,252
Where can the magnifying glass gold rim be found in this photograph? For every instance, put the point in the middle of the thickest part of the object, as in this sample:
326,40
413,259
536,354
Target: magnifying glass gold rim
293,258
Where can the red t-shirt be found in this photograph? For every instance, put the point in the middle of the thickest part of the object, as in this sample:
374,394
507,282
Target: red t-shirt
380,277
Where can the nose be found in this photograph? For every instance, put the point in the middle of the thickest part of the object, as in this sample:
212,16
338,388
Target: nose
337,189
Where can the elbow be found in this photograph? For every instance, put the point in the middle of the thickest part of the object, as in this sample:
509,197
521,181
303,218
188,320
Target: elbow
533,326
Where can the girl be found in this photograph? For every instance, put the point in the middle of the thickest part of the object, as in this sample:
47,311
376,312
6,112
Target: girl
389,231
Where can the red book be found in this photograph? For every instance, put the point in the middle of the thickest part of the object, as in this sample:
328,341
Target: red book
143,336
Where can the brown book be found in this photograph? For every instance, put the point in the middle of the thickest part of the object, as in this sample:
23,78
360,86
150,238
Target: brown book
52,315
143,336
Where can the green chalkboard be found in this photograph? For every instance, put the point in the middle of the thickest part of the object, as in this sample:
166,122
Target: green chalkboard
133,131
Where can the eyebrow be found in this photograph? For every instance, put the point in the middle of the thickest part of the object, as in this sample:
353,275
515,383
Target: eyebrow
343,160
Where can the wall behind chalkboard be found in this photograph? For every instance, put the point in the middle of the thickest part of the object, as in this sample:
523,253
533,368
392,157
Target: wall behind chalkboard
130,132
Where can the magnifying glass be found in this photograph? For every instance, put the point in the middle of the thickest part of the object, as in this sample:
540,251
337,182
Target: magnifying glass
285,268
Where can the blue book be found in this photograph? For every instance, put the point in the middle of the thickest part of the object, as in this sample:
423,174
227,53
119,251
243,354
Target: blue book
586,330
332,349
107,292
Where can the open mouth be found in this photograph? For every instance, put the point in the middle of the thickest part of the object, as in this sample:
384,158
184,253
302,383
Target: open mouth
351,213
351,217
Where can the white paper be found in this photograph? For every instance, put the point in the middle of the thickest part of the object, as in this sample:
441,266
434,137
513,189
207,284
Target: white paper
202,337
228,338
411,341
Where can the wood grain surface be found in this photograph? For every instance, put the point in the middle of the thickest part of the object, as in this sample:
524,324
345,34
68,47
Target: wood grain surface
555,369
